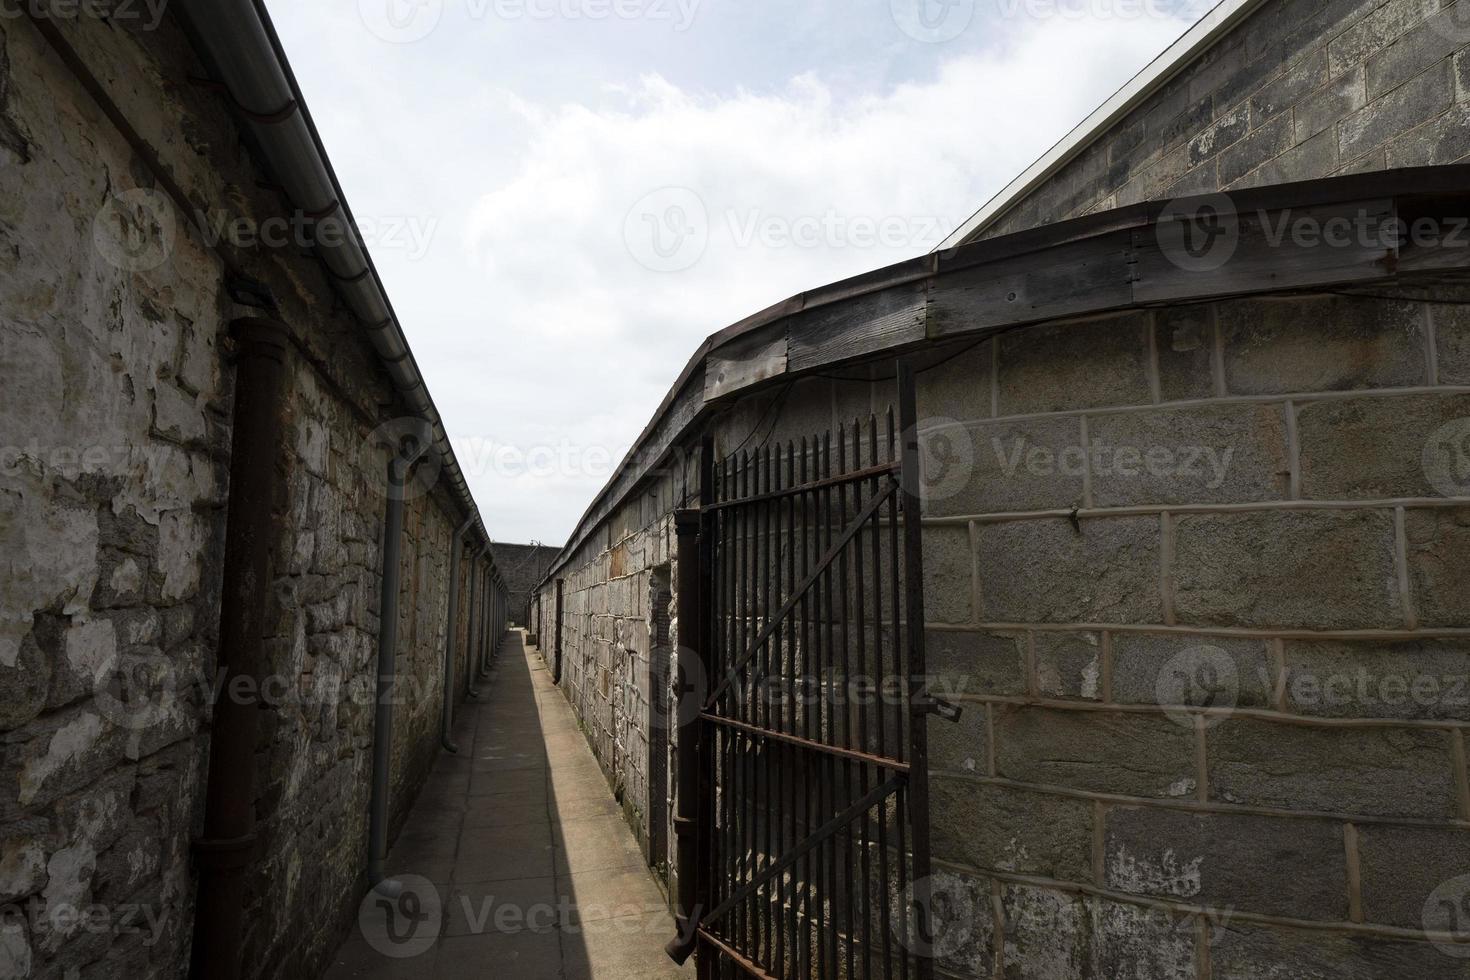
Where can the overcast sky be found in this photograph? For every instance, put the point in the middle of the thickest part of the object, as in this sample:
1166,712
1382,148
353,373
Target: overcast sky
564,197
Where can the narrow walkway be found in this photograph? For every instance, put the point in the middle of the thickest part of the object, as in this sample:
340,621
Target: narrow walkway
534,872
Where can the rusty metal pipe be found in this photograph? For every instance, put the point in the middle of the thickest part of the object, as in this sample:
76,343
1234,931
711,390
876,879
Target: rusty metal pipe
477,612
225,851
446,720
400,465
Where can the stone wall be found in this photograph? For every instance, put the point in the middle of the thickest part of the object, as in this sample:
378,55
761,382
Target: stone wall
524,566
116,397
1213,666
1192,575
607,639
1301,89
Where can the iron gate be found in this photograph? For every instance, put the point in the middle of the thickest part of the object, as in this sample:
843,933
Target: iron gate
814,833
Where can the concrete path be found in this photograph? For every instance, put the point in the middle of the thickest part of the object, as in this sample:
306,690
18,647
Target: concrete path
519,855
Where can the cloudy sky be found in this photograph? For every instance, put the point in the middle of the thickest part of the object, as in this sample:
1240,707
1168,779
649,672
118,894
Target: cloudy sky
564,197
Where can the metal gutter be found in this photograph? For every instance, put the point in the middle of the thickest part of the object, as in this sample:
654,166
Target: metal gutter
239,44
1205,34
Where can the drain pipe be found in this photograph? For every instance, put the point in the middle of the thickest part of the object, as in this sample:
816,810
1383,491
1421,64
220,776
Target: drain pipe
556,647
225,851
446,721
400,465
476,614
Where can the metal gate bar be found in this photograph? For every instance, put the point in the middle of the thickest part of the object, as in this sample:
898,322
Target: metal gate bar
811,826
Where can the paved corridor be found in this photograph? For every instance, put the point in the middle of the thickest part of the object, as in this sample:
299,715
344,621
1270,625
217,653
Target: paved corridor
535,873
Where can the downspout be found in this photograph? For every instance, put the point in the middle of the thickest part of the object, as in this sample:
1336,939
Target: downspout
446,722
225,851
400,464
477,611
556,649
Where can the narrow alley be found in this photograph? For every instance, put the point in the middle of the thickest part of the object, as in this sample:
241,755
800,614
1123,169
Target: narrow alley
534,873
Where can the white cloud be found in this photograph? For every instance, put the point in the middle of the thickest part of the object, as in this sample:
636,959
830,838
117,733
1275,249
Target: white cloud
797,187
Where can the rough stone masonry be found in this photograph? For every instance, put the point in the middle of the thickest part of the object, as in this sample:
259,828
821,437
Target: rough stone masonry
116,395
1194,571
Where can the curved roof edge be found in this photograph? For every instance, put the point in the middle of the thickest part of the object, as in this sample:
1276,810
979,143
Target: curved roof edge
1107,262
1205,34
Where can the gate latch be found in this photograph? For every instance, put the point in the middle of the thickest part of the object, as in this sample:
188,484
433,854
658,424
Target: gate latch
947,710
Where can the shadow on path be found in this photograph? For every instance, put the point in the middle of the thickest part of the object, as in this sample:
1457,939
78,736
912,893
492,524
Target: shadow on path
518,853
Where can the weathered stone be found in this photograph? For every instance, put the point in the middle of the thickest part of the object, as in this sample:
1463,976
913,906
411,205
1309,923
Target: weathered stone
964,923
1305,161
1267,865
1427,679
1088,364
1022,465
959,388
947,595
1290,87
1215,454
1241,951
1047,933
1372,448
1416,101
1377,31
1403,867
1276,346
1431,42
25,681
1131,754
994,827
1184,342
1048,571
1438,548
964,745
1196,671
975,663
1452,334
1369,771
1132,942
1221,133
1264,143
1265,569
1435,143
1069,665
1320,111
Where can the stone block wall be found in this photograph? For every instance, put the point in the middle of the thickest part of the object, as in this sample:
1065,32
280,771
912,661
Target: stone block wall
524,566
1301,89
607,632
1192,574
1199,612
116,401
